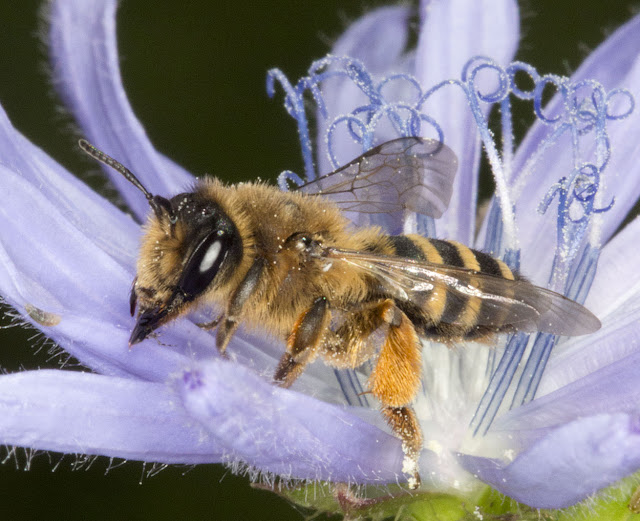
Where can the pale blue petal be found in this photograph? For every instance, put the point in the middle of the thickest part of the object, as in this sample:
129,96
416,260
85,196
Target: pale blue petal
577,358
86,71
569,464
618,278
84,208
82,413
285,432
610,389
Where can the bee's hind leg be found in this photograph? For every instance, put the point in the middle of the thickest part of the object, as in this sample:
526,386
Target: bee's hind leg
303,342
404,423
395,381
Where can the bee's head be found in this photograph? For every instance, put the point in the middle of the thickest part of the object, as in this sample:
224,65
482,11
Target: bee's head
190,245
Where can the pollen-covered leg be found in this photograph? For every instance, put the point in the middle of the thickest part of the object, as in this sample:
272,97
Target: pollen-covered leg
303,342
395,382
396,378
404,424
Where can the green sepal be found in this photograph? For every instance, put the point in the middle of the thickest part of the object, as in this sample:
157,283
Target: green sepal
486,504
396,503
620,502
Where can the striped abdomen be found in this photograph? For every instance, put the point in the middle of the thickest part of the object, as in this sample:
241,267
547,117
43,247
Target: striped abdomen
446,314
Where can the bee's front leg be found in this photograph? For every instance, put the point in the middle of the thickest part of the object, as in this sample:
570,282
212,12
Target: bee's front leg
303,342
228,324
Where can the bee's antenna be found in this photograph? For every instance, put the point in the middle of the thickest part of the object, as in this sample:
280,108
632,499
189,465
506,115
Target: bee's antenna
156,202
99,155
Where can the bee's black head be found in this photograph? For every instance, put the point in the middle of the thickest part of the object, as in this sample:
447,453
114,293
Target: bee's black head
200,247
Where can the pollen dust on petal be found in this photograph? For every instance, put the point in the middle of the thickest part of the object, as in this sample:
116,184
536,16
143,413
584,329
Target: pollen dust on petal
44,318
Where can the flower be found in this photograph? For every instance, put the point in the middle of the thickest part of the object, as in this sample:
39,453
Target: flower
177,402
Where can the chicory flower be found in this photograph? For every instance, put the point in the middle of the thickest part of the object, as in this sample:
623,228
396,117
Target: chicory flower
560,197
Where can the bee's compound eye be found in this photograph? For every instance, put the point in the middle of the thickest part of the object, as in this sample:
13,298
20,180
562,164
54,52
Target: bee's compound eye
204,264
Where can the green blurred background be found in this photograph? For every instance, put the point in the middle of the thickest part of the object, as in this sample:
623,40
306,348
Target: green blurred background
195,75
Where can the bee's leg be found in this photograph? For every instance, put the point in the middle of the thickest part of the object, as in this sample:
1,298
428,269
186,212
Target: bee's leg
395,381
207,326
303,342
404,423
230,322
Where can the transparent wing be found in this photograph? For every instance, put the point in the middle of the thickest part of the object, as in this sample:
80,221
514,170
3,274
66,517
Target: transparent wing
516,303
408,173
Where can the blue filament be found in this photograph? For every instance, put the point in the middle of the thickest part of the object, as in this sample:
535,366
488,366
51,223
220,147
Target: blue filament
363,122
533,369
294,105
352,388
582,277
577,289
499,384
288,180
493,237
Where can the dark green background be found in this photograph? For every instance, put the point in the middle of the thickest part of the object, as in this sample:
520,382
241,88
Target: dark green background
195,74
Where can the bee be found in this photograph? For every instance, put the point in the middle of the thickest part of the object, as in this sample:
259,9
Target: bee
292,263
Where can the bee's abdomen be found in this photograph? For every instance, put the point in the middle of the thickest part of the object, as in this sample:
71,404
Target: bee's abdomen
446,314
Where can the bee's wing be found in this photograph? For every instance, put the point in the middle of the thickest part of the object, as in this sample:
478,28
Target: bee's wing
516,303
407,173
